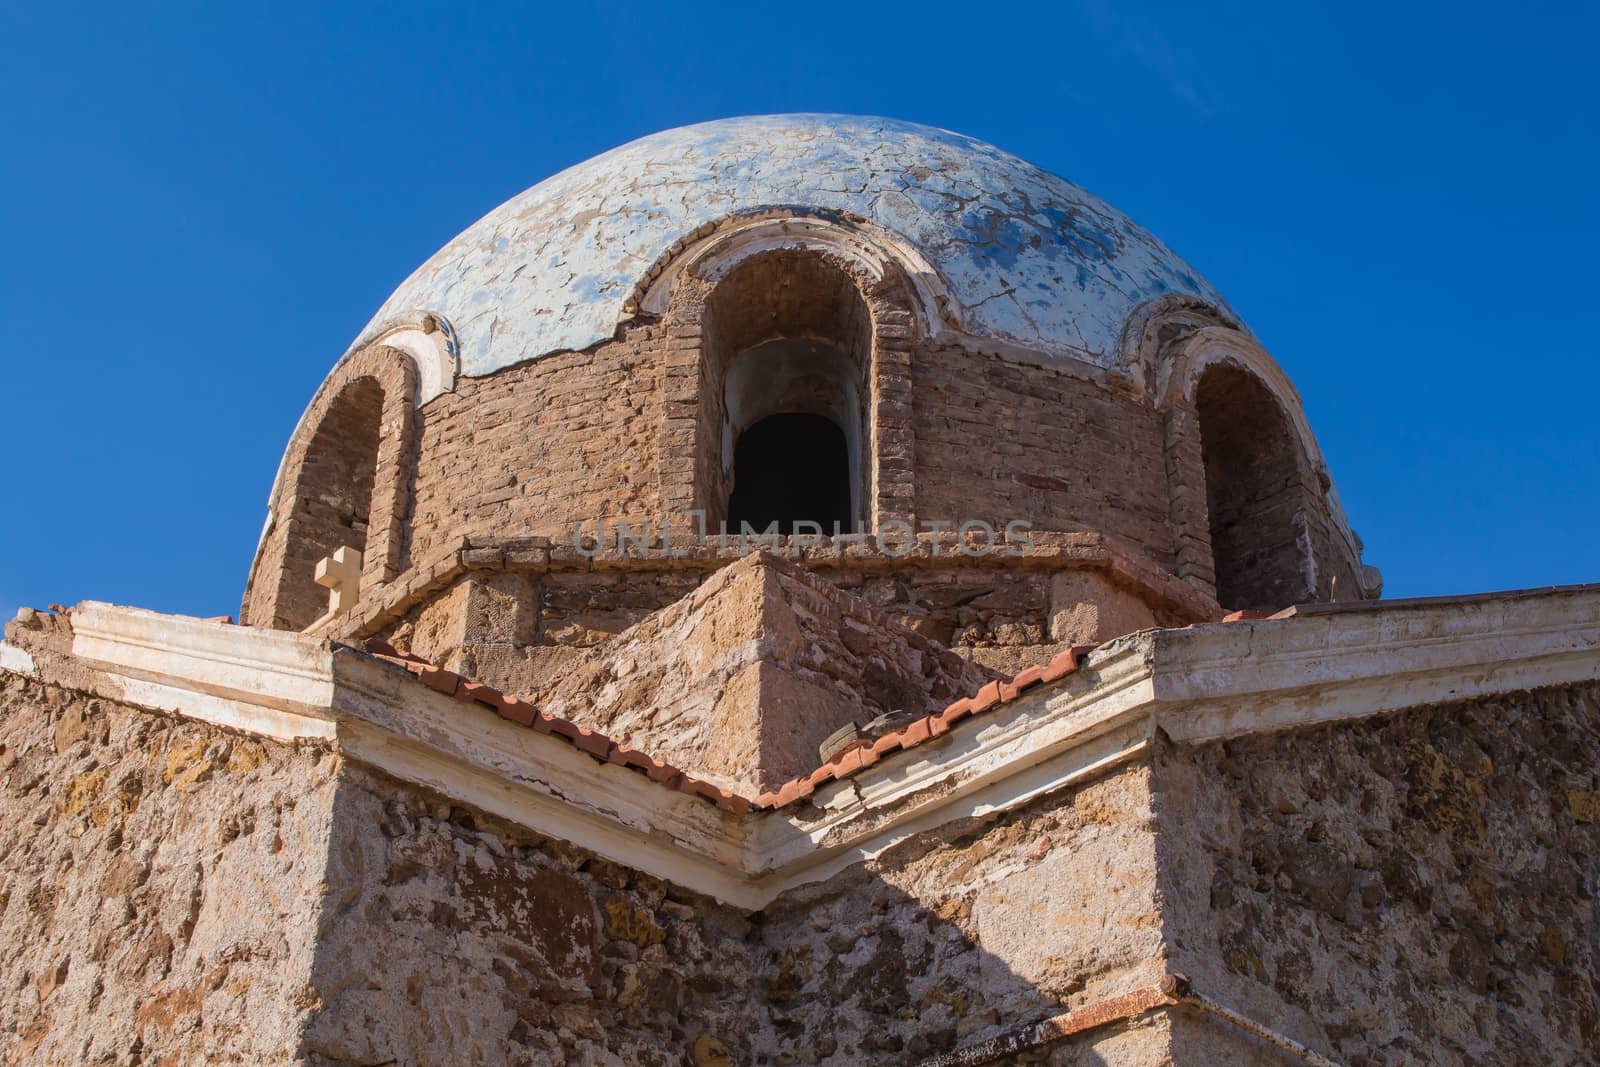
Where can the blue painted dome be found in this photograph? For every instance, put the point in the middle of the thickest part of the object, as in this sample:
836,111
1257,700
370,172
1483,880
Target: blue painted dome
1026,258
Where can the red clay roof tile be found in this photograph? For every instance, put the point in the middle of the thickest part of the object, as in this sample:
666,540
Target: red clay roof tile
518,711
444,681
985,698
845,764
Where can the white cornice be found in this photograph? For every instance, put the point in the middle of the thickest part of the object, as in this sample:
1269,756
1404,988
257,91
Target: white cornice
1195,684
1340,662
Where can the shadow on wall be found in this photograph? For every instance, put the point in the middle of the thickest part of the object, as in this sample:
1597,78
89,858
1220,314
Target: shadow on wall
449,937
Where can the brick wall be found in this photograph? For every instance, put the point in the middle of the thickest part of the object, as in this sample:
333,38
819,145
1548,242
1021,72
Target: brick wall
633,430
997,440
538,446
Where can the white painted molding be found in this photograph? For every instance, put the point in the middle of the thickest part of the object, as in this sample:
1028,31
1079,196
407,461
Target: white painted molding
431,343
1330,663
869,247
271,668
1347,662
16,660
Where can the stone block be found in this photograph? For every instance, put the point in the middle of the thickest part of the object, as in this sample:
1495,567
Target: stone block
742,680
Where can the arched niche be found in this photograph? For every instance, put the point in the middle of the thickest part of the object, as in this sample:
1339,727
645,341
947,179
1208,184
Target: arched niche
345,481
1260,546
788,329
791,335
1177,345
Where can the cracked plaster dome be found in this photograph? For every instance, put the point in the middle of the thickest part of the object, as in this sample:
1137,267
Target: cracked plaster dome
1000,250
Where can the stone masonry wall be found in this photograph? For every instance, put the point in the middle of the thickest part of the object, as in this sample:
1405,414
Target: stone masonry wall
973,929
1415,888
742,680
524,628
455,938
158,885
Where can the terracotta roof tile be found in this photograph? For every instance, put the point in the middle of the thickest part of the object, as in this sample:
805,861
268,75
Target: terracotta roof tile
476,693
445,682
842,766
888,743
518,711
929,726
957,711
597,745
522,713
986,698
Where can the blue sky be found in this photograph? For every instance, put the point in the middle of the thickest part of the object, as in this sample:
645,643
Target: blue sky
204,203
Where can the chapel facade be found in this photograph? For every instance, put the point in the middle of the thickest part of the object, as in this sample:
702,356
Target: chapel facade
805,589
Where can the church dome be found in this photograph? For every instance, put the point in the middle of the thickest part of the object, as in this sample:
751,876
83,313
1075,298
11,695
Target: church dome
1010,253
797,324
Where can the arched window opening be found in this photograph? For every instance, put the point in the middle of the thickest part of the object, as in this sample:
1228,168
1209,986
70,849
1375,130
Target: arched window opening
1253,492
791,468
790,346
333,504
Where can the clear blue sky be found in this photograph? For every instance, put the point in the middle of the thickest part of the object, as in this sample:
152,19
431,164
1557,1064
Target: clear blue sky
203,204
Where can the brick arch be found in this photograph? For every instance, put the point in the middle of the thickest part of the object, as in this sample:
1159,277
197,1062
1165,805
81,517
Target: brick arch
866,309
1176,348
1255,492
346,477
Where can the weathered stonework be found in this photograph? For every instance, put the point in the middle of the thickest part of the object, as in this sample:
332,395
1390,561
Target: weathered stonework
745,678
1415,888
161,884
1404,887
1081,742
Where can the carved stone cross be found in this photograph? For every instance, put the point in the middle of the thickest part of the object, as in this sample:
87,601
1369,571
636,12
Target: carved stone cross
341,574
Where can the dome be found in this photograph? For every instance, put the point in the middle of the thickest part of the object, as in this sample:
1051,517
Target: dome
1017,255
793,326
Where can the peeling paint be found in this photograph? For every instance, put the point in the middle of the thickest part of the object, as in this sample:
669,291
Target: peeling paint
1030,259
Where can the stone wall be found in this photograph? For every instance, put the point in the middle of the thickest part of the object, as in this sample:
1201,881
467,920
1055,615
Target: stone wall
522,627
455,938
159,886
741,681
451,937
959,934
1415,888
174,893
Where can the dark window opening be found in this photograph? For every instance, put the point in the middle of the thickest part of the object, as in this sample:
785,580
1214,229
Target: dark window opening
791,468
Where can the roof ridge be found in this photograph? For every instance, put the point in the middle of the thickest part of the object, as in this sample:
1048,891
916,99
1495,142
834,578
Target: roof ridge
847,763
600,747
991,695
